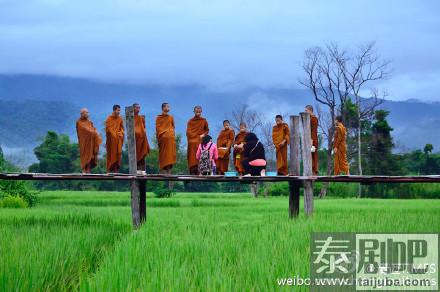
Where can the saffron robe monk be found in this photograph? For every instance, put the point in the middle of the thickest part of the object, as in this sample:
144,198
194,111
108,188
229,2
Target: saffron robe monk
140,132
224,142
88,141
114,131
280,139
166,139
314,134
340,148
196,129
238,148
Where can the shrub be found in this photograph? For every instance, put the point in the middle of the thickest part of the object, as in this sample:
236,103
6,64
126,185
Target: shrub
280,189
13,202
334,189
161,190
18,189
14,188
274,189
342,190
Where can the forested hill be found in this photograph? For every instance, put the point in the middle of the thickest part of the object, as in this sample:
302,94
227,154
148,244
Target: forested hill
33,104
23,122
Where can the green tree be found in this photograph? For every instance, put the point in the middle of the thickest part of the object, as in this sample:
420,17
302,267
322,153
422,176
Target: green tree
56,155
14,188
428,149
431,165
351,122
381,159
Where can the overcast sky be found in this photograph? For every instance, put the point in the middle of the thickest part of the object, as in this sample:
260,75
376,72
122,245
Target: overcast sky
223,43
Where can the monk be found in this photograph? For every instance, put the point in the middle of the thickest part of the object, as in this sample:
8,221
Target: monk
238,148
142,145
88,140
314,135
280,139
114,130
224,142
196,129
166,139
340,148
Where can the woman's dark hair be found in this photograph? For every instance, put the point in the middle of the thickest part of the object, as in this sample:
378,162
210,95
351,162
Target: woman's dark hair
250,137
206,139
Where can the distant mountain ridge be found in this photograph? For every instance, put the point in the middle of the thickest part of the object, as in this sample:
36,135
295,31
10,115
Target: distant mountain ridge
33,104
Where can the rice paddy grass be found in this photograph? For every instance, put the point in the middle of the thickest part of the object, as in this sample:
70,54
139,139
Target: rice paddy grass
191,242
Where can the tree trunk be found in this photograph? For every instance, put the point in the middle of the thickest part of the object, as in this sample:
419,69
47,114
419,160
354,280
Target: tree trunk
324,188
359,142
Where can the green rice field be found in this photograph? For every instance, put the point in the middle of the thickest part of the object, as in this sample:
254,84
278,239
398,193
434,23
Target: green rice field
191,242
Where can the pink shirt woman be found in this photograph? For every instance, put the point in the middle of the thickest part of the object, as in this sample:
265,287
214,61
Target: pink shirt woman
213,152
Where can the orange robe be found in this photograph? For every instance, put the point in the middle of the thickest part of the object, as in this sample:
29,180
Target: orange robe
224,139
166,140
314,130
195,128
89,141
142,146
237,153
280,133
340,157
114,130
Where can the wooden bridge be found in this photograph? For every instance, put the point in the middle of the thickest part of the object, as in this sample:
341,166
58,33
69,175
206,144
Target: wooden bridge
300,145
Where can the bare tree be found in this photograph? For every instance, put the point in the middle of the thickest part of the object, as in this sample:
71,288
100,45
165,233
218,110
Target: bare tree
266,133
243,114
324,77
334,76
362,71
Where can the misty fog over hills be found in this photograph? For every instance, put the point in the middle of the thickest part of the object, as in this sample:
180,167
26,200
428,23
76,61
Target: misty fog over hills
34,104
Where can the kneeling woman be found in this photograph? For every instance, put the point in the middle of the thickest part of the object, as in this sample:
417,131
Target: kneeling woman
254,162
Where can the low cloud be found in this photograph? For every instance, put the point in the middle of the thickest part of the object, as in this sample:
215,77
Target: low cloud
221,42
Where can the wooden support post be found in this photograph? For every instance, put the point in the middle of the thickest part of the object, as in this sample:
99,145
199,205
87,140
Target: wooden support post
294,187
295,160
294,190
306,145
132,164
143,200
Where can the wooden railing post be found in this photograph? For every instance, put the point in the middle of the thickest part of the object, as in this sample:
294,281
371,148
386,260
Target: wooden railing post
294,186
306,145
132,165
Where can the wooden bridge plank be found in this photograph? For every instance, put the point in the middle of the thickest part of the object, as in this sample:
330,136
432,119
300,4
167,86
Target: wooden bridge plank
219,178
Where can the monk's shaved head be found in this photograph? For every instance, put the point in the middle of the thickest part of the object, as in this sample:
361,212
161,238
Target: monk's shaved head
309,107
165,107
338,119
197,110
136,108
84,112
226,124
116,110
243,127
